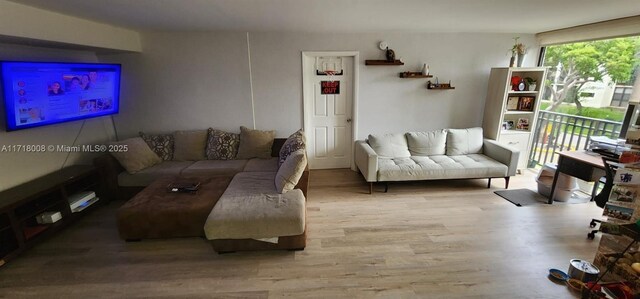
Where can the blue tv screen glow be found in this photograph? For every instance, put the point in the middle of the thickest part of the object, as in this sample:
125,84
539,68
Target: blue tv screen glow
38,94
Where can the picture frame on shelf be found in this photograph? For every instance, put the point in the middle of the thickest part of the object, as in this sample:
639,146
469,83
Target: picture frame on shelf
512,103
523,124
525,103
507,125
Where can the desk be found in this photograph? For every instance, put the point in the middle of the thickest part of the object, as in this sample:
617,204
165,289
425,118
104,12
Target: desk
579,164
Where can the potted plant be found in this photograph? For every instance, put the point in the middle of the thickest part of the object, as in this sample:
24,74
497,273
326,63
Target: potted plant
520,50
531,83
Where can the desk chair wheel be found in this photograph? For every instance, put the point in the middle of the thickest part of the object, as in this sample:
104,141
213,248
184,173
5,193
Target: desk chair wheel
592,224
591,235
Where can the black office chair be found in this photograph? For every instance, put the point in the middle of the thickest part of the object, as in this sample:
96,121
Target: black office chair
602,197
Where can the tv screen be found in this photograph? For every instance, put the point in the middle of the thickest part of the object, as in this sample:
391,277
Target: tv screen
38,94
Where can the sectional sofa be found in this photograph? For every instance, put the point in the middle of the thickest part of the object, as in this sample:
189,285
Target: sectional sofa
253,203
434,155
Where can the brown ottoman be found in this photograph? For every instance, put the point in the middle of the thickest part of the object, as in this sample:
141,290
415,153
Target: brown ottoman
157,213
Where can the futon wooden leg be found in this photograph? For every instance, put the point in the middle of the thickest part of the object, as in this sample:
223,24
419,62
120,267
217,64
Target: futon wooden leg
489,183
386,187
370,188
133,240
296,249
506,182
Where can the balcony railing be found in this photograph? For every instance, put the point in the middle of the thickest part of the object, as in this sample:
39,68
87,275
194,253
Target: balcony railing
556,132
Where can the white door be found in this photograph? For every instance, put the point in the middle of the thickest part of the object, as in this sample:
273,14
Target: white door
329,111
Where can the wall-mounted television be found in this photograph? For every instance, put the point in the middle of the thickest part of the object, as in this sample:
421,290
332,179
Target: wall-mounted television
43,93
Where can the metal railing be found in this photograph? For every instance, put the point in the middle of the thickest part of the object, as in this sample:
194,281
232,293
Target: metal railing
558,131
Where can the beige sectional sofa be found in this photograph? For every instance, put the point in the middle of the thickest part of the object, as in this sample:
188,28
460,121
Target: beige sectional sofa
262,205
434,155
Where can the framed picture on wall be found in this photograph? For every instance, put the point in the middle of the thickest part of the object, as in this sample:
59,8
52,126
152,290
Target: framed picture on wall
512,103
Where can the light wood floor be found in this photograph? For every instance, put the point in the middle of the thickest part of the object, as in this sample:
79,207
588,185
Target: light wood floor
444,239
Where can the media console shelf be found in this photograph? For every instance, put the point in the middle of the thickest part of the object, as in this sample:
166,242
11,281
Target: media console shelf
20,205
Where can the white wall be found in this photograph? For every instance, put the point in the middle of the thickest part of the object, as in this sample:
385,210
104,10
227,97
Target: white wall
16,168
196,80
18,20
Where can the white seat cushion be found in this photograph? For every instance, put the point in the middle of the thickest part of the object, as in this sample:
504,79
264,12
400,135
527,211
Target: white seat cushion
440,167
213,167
147,176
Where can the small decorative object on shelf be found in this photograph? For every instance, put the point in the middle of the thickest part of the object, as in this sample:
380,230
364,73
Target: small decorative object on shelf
390,55
438,85
523,124
531,83
515,83
425,69
525,103
518,49
414,75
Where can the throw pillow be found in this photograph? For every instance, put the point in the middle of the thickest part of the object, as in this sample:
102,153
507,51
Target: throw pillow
255,143
138,155
189,145
222,145
295,142
464,141
427,143
291,171
390,145
161,144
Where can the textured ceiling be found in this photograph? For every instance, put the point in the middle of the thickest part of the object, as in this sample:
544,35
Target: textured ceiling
344,15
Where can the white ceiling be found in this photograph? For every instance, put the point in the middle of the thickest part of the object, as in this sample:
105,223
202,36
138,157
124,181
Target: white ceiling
521,16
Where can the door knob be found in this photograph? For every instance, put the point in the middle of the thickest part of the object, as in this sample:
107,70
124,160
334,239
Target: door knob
348,120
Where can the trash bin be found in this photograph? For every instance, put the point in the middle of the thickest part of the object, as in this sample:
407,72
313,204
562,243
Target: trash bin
564,187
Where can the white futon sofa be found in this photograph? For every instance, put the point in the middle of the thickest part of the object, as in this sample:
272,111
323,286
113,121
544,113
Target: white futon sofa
434,155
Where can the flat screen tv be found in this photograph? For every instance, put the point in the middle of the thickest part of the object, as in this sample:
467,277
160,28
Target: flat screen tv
42,93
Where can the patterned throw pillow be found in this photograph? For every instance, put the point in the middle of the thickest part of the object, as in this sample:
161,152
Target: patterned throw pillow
222,145
295,142
161,144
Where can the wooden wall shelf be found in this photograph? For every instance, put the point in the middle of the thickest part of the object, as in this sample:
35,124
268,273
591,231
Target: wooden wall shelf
414,75
439,86
383,62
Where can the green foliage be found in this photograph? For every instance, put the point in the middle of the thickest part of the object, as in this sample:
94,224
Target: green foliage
599,113
594,59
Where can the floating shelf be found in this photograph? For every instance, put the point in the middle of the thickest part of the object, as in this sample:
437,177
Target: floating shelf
414,75
522,92
383,62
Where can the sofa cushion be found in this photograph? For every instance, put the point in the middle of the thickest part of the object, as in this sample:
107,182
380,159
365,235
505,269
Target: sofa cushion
146,177
189,145
440,167
464,141
261,165
215,167
255,143
291,171
427,143
390,145
295,142
251,208
221,145
138,155
161,144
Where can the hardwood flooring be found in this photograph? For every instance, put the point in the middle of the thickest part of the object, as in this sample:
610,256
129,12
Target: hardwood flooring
439,239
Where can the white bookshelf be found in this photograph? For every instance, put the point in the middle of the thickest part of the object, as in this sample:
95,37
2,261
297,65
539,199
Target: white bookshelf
496,113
